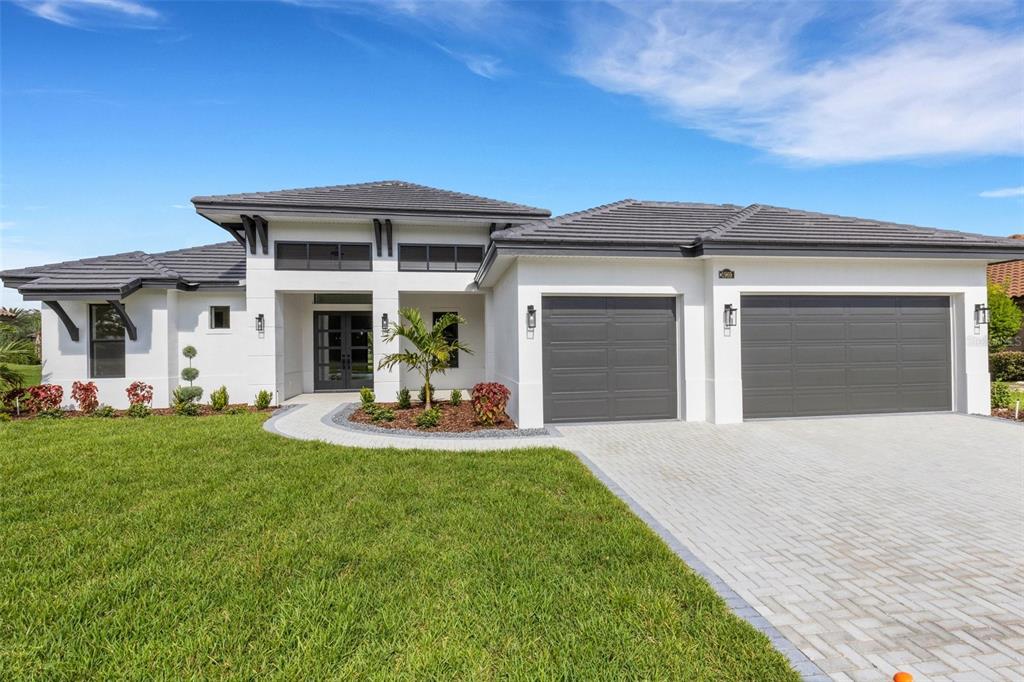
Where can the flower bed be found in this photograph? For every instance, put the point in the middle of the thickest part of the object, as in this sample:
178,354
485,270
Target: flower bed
454,419
204,411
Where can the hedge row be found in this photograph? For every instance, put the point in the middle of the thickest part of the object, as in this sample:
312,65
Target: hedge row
1007,365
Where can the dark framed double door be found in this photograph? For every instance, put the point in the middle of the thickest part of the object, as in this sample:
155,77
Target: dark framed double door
342,351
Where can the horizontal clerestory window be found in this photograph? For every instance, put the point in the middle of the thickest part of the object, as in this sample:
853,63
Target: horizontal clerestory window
322,256
440,257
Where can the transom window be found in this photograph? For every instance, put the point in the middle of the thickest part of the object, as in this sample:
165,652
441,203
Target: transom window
322,256
106,342
451,335
220,317
440,257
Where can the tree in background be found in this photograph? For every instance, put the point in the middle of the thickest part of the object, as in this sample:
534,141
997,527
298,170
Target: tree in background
1004,317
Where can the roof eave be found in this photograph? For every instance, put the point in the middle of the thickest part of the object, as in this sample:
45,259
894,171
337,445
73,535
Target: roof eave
825,249
202,206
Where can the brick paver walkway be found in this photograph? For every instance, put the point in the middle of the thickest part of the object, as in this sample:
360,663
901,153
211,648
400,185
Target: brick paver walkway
874,544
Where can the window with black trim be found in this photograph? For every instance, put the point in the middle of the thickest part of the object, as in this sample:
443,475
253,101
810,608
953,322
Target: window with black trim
220,317
451,335
440,257
322,256
106,342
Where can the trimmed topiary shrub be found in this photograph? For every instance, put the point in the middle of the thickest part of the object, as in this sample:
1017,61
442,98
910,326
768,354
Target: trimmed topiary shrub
404,399
489,401
428,419
1007,365
184,400
263,399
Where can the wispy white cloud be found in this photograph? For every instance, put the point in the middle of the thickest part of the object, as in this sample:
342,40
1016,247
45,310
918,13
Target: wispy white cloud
903,81
81,13
484,65
1003,193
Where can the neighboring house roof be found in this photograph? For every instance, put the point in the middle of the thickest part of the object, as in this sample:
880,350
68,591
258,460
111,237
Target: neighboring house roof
370,197
1010,275
119,275
707,229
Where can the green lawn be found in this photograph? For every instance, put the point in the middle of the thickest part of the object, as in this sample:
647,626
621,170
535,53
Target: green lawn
176,547
31,375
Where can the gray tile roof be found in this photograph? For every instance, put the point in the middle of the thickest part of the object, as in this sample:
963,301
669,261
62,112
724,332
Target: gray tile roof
385,195
709,227
216,264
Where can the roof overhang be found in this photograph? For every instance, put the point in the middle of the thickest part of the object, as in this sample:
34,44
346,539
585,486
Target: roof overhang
834,250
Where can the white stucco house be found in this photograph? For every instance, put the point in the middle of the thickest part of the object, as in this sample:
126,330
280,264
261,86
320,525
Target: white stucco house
631,310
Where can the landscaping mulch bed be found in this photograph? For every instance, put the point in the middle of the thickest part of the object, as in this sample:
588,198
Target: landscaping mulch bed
459,419
1007,413
204,411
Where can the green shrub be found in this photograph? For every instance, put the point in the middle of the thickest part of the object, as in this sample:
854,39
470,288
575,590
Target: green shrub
423,394
428,419
187,409
184,400
263,399
190,374
54,413
238,409
404,401
189,352
4,417
456,397
366,396
219,398
383,414
104,411
1003,395
1007,365
138,410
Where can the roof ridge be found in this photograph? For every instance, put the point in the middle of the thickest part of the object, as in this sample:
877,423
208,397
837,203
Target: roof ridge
730,222
152,262
565,217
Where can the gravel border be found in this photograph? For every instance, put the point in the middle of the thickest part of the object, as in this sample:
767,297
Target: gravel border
339,418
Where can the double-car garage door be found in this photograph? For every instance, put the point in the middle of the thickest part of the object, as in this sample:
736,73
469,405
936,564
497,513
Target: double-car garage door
615,358
834,355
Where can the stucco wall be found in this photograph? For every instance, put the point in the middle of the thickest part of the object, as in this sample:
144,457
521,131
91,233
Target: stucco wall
471,366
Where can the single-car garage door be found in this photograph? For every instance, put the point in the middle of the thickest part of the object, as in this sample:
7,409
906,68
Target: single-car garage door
609,358
831,355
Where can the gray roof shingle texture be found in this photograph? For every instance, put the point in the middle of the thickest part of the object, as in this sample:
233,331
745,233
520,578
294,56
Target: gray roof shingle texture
664,223
219,264
385,195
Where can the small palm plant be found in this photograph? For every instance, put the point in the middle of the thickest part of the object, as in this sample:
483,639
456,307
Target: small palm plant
431,349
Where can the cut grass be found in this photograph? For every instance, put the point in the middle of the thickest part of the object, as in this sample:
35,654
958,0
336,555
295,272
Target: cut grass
31,375
172,547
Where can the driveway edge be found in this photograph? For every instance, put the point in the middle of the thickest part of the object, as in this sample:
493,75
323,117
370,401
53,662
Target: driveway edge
807,668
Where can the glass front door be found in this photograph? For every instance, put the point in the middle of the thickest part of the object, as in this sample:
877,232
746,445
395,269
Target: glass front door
342,351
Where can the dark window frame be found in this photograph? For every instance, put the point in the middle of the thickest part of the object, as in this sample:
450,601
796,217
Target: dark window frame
339,245
451,333
93,341
458,261
227,317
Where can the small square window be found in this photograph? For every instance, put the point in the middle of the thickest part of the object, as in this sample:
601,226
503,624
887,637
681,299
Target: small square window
220,317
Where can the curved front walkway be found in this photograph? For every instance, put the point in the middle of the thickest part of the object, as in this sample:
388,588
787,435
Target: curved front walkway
307,417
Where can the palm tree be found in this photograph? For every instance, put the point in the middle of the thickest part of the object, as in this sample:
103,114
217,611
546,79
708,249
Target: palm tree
431,348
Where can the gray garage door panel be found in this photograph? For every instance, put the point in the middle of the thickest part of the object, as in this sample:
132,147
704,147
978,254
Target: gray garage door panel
829,355
608,358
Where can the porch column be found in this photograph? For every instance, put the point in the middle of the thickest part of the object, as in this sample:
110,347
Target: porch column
385,381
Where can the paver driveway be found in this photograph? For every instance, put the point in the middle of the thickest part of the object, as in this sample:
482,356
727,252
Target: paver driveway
874,544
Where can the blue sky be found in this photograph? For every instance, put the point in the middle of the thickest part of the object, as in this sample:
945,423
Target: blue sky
116,112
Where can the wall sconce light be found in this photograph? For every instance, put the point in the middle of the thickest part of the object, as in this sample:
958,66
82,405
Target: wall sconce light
260,323
384,323
729,316
531,317
980,314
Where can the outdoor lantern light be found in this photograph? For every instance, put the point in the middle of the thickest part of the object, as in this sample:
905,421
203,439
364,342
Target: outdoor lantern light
729,316
531,317
384,323
980,314
260,323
